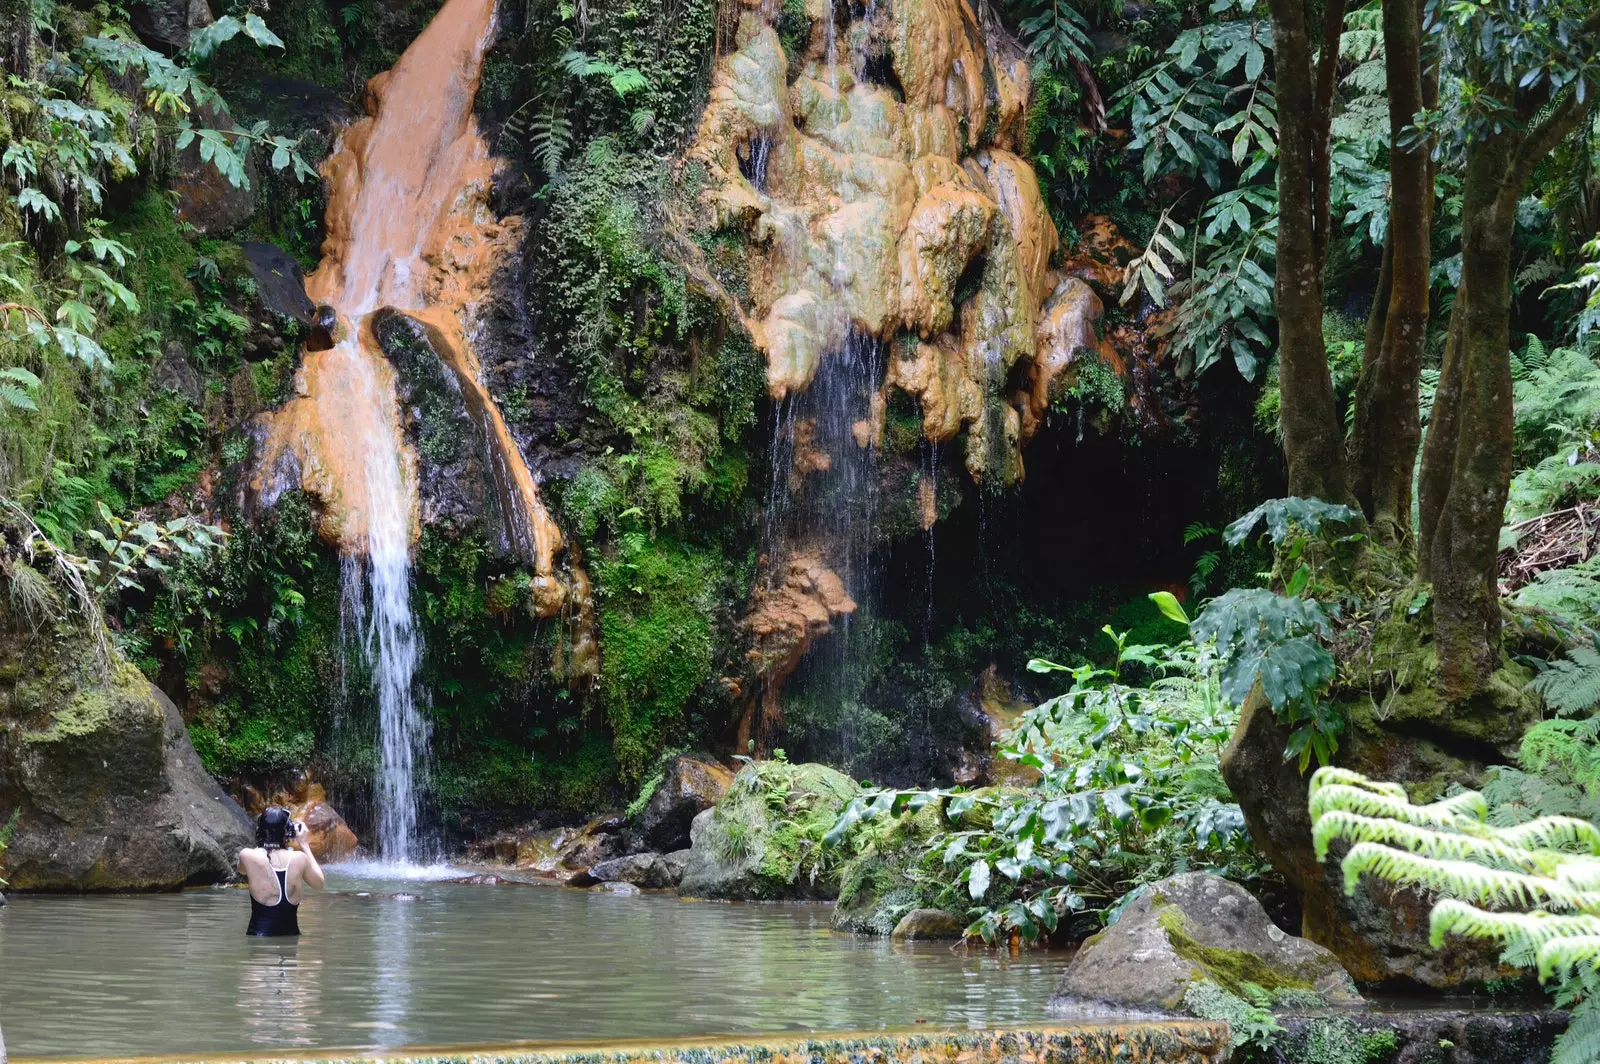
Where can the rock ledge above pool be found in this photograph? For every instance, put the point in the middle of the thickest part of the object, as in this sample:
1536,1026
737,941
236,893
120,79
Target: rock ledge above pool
1157,1042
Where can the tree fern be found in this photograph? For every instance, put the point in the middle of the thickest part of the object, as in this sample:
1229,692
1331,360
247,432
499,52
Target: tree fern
1497,884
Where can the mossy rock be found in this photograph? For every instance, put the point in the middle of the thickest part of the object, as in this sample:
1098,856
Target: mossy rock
882,882
95,761
1198,928
763,840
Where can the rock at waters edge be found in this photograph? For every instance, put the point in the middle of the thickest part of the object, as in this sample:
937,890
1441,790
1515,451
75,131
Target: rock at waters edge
1380,933
110,793
689,786
648,870
924,924
1197,928
764,839
1422,1036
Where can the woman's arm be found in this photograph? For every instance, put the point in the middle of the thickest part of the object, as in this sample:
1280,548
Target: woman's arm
313,871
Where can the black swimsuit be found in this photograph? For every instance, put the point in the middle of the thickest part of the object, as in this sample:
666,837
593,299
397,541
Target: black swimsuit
272,920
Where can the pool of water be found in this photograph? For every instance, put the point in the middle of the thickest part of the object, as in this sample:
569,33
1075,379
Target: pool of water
384,965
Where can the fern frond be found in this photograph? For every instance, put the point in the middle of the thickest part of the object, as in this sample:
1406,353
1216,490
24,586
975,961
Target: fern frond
1453,917
1355,799
1561,955
1469,804
1331,775
1554,833
1462,879
1438,845
1580,1042
1572,685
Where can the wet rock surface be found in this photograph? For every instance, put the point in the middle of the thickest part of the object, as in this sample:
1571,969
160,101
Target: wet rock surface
1192,928
689,786
1421,1036
207,199
927,924
649,870
110,793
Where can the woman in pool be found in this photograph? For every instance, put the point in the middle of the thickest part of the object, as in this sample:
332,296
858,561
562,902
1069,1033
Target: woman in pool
278,867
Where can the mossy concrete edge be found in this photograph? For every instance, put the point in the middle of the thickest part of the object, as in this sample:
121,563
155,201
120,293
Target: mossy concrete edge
1153,1042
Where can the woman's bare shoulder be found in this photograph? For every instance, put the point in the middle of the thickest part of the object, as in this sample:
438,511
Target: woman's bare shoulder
252,854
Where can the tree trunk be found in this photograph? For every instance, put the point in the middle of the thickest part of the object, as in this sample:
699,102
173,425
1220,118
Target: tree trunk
1468,459
1466,612
1312,440
1387,422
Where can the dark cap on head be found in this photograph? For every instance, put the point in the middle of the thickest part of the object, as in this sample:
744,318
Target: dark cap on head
272,826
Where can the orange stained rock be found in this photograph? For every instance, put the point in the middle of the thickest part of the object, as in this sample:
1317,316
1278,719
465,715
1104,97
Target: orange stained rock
1066,336
786,617
873,202
409,227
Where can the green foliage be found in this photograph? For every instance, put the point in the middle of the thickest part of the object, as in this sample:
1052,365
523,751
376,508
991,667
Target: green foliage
1556,399
1251,1022
1277,640
1533,887
1206,111
771,823
1571,685
658,599
1129,791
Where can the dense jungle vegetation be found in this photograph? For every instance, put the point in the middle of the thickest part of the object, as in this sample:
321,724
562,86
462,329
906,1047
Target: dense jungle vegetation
1357,459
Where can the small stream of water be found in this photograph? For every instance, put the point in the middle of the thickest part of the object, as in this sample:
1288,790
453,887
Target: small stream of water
470,965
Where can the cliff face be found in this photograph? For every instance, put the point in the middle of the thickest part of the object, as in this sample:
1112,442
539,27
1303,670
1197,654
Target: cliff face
109,792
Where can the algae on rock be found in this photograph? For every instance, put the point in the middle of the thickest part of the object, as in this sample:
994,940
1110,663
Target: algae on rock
109,792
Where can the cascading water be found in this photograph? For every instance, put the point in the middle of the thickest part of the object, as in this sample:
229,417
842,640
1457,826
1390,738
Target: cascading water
409,229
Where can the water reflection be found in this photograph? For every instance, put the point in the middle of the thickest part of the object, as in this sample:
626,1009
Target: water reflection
388,965
279,994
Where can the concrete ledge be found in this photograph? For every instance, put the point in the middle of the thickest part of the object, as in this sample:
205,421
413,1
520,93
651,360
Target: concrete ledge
1157,1042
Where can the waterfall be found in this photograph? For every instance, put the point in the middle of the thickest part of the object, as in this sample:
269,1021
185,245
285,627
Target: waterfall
409,228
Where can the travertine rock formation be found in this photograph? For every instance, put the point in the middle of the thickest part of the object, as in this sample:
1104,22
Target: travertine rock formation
877,178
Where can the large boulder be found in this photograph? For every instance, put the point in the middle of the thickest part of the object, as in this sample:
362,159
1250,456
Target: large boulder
921,924
208,199
1379,932
689,786
764,839
1196,928
97,763
278,310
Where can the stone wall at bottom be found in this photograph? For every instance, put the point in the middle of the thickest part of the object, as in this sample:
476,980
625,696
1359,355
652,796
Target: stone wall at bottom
1154,1042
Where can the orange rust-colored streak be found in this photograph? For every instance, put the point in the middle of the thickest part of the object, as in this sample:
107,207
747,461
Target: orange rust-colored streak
409,226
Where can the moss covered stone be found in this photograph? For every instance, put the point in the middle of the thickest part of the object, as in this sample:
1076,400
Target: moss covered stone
1198,928
763,840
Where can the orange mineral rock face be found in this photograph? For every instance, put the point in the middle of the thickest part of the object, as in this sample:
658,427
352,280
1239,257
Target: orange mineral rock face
876,195
409,227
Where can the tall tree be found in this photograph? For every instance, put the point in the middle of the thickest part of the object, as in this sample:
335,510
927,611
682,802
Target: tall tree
1529,78
1312,436
1388,427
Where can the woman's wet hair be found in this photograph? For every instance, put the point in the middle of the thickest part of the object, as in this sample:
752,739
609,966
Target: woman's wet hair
272,826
